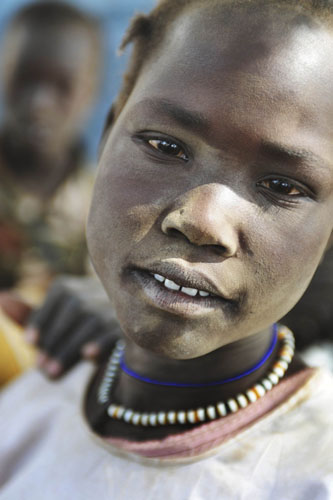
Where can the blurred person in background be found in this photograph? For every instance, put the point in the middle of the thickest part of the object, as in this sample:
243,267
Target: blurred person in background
50,76
51,61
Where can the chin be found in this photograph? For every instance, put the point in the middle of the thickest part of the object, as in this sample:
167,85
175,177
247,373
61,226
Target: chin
182,345
174,350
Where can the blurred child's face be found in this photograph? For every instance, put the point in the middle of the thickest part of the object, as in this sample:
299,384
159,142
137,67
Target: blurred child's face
218,176
50,79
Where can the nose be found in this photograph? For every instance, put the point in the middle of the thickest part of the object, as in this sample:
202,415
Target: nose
42,99
205,216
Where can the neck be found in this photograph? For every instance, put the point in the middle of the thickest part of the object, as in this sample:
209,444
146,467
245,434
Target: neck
137,397
224,363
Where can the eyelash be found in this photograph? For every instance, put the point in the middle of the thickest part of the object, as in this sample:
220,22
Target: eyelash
280,187
177,151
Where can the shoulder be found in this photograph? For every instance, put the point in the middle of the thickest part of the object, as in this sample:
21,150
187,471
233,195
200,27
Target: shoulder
294,443
44,441
306,415
315,399
31,408
285,454
32,386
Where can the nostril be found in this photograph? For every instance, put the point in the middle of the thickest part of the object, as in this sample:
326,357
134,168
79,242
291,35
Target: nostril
175,233
220,250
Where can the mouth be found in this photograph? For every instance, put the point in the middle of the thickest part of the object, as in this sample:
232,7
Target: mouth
179,291
39,131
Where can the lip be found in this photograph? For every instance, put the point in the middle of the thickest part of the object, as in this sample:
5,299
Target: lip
175,301
186,277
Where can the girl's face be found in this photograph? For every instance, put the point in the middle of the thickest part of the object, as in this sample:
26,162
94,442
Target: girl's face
218,177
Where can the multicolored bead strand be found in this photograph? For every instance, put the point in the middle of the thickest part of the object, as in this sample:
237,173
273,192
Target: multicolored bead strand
201,414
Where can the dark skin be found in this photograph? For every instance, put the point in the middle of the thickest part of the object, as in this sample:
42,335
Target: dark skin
50,81
226,204
74,322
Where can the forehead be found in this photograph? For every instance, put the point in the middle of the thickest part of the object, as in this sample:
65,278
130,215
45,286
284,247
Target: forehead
67,46
270,70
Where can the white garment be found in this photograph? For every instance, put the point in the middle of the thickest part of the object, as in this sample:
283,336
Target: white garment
46,451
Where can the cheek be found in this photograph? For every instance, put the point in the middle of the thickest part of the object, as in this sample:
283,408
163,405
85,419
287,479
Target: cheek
287,254
124,209
131,191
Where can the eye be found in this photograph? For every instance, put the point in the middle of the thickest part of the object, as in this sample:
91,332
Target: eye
281,186
168,147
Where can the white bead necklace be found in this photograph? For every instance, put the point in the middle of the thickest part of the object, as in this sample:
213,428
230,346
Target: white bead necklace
201,414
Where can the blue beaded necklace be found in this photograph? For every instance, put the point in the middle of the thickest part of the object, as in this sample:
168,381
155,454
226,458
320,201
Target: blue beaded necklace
148,380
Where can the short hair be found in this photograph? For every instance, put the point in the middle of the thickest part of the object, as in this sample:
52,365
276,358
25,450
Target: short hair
56,13
146,32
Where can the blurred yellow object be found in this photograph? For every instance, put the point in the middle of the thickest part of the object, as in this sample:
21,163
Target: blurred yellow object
15,354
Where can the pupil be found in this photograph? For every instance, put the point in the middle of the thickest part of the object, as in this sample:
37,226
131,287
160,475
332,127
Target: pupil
281,186
169,147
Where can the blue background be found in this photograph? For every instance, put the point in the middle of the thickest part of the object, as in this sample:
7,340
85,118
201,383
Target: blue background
114,16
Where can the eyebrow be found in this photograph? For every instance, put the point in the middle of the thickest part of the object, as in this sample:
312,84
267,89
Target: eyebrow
193,120
197,122
282,153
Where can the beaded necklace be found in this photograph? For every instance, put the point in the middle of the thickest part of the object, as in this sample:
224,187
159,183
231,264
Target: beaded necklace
201,414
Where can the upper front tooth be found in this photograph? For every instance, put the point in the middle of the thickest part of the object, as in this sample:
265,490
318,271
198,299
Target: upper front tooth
189,291
171,285
203,294
158,277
